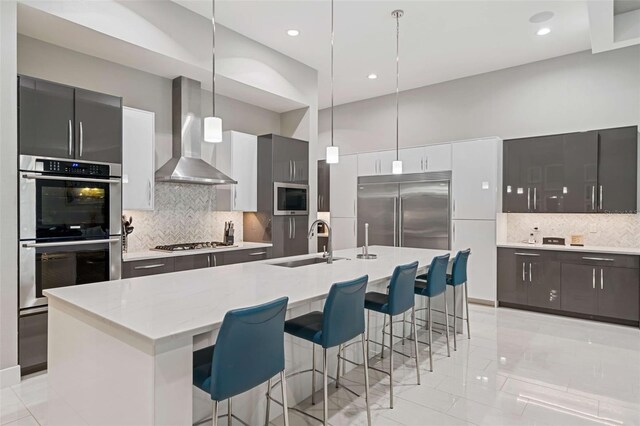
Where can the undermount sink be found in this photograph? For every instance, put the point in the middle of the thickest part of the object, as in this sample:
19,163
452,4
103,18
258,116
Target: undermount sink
305,262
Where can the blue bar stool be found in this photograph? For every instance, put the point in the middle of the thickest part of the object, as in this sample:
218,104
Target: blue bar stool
341,320
432,284
399,300
249,351
457,278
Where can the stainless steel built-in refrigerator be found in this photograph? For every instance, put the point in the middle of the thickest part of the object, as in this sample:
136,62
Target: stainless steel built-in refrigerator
411,210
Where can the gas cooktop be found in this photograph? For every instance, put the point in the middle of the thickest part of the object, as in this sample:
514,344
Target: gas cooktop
192,246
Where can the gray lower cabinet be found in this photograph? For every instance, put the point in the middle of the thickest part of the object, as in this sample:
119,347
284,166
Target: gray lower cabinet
590,285
197,261
289,235
141,268
242,256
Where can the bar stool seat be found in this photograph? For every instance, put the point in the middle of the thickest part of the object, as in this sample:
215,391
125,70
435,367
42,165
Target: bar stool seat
307,327
378,302
202,360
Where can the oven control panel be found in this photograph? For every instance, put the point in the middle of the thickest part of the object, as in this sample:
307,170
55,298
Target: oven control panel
73,168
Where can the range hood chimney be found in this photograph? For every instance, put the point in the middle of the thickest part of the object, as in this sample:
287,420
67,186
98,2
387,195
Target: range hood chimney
186,164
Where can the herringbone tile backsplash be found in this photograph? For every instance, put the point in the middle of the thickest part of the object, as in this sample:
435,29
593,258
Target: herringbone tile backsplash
183,213
613,230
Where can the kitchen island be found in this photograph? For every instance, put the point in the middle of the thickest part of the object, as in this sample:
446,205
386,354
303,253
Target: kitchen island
120,352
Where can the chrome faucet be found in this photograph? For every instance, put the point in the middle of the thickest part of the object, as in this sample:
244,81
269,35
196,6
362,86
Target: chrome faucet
329,246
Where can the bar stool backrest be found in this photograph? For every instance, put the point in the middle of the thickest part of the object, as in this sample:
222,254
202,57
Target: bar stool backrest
401,288
343,317
437,276
459,270
249,349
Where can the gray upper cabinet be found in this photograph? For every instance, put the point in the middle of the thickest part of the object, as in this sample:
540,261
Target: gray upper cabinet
324,186
46,120
583,172
290,160
617,170
98,127
65,122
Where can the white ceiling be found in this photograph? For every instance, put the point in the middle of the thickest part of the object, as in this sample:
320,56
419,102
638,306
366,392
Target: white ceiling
440,40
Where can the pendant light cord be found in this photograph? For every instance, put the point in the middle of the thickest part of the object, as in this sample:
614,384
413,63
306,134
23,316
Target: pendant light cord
213,55
332,38
397,15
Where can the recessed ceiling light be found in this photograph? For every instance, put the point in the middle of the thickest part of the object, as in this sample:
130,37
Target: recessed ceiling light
293,33
372,76
543,31
541,17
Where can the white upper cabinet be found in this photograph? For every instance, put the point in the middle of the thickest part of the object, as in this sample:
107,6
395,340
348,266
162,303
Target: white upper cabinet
343,187
138,165
475,179
375,163
431,158
237,157
343,232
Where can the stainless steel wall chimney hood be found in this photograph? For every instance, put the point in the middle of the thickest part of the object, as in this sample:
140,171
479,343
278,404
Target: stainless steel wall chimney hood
186,164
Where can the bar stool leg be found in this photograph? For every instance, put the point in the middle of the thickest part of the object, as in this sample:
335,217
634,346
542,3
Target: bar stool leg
466,299
365,354
325,386
338,367
430,334
415,341
404,330
446,315
390,361
455,321
214,422
266,417
230,415
368,331
285,405
313,375
384,326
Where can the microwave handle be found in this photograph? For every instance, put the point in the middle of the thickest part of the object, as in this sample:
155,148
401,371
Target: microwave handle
67,178
70,243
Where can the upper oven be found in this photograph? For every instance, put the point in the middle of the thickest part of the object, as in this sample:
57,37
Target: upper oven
290,199
68,200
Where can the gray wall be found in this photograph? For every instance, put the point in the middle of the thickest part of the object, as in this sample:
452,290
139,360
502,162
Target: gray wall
569,93
138,89
8,190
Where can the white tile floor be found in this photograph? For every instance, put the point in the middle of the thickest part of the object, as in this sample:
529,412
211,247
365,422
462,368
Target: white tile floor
518,368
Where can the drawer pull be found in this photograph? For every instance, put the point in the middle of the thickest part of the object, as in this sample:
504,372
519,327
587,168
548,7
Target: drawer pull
157,265
599,259
528,254
258,253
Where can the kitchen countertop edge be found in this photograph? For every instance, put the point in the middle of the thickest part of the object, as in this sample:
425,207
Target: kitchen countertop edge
152,254
588,249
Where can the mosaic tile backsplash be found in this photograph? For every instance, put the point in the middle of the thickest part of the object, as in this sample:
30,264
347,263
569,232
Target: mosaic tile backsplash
183,213
613,230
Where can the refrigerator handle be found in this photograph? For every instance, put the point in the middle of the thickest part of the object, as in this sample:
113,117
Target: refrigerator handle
395,221
400,224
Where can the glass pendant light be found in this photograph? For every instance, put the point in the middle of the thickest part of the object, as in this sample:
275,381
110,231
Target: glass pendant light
396,166
333,152
213,124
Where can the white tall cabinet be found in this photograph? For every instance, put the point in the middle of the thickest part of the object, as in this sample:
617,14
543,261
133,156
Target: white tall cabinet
138,159
343,190
237,157
475,183
430,158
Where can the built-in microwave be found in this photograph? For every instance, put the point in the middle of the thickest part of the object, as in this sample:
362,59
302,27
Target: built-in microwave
290,199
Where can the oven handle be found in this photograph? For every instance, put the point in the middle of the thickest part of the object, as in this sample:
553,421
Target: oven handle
70,243
75,179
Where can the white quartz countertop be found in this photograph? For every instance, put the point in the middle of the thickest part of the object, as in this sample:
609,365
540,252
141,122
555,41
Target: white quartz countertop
584,249
160,307
154,254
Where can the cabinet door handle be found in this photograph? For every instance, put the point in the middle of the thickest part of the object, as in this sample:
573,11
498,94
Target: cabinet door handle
295,175
601,279
149,191
535,199
290,228
529,272
354,228
527,254
157,265
593,197
601,191
422,164
528,198
454,207
235,198
354,207
523,273
215,261
81,139
454,232
426,163
395,228
594,278
209,261
599,259
258,253
70,138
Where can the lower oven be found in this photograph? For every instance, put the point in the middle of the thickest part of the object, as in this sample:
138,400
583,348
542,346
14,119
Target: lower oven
49,265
